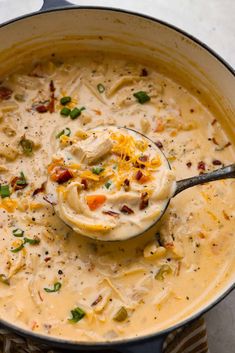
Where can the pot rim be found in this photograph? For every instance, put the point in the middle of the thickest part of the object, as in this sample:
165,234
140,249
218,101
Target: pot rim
72,344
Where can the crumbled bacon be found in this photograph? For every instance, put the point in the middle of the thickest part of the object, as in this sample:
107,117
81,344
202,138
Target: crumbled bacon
84,184
143,158
144,72
138,175
41,108
159,144
144,201
41,189
126,184
111,213
214,141
61,175
5,93
216,162
213,122
126,209
201,165
51,104
17,186
47,259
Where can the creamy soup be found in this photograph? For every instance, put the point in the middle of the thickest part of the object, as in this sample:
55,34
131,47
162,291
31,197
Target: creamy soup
60,283
109,183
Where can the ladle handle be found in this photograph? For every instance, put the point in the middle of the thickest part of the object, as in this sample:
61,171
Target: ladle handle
222,173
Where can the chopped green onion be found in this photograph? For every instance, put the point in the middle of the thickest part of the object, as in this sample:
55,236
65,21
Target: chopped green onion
100,88
65,100
97,170
33,241
4,191
66,132
65,111
121,315
21,180
56,288
18,232
108,184
20,247
77,315
76,112
142,97
4,279
27,146
19,97
162,272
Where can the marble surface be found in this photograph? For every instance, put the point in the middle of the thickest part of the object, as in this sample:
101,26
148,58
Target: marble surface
213,22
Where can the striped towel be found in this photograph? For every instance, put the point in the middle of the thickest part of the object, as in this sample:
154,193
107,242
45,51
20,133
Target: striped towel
190,339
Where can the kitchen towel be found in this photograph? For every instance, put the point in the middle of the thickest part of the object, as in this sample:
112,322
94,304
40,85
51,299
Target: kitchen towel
190,339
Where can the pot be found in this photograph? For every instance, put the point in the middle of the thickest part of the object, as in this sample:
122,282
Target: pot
180,55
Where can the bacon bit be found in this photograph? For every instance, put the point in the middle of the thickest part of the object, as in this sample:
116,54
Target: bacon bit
99,298
41,189
111,213
17,186
143,158
52,203
95,201
201,165
213,122
47,259
5,93
127,158
227,144
126,184
160,126
226,216
144,201
61,175
168,245
159,144
126,209
138,175
97,111
41,108
214,141
216,162
51,104
84,184
40,296
189,164
144,72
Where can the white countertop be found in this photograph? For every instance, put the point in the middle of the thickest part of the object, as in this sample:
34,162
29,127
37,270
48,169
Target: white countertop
213,22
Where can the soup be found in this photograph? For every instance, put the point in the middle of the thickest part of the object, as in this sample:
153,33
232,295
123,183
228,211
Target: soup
59,283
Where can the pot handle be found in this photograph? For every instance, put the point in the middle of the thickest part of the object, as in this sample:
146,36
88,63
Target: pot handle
54,4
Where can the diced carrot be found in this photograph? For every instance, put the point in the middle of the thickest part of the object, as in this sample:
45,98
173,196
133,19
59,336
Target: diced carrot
95,201
144,179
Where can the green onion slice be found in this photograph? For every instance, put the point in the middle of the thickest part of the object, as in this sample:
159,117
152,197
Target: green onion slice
20,247
22,180
27,146
4,191
56,288
76,112
162,272
77,315
121,314
100,88
97,170
142,97
33,241
108,184
66,132
18,232
65,100
65,111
